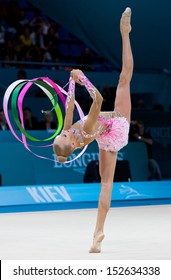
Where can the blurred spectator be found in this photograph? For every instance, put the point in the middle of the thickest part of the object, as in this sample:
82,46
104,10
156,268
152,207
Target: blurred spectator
3,124
35,54
10,50
30,122
2,40
91,174
24,43
109,94
51,40
140,104
137,133
22,19
6,63
47,57
45,27
21,74
37,37
158,107
37,20
2,35
86,59
47,123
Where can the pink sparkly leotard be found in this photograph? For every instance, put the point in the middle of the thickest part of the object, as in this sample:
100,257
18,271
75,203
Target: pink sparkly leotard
115,135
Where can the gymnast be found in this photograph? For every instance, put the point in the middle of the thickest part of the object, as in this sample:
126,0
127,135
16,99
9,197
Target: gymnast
110,129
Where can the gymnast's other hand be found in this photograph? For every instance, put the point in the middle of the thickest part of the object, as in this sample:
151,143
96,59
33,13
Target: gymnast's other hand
76,75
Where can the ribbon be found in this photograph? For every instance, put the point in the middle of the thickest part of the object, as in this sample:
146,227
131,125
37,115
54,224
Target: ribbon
18,90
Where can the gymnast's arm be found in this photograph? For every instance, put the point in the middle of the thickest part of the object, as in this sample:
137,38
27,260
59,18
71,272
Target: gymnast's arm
95,108
69,106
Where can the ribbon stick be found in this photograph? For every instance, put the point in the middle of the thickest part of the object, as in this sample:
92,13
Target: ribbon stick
17,91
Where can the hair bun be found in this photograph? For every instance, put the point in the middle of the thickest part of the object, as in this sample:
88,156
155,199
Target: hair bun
61,158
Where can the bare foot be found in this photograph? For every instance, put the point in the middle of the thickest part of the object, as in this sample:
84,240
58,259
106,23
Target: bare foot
125,25
96,247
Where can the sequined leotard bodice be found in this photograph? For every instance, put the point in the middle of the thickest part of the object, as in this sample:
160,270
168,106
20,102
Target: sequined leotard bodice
114,136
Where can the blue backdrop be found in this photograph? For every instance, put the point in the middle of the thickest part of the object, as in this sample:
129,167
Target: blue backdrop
20,167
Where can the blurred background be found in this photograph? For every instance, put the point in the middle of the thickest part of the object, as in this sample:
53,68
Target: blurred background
38,39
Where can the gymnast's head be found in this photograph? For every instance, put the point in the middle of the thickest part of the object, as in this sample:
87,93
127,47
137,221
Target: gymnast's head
63,146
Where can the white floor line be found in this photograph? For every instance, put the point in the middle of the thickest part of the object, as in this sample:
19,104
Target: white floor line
130,233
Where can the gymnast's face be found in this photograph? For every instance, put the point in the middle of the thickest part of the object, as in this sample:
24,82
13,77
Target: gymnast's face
65,138
63,146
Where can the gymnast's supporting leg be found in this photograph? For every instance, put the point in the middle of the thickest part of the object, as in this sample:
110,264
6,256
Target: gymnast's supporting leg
123,100
107,167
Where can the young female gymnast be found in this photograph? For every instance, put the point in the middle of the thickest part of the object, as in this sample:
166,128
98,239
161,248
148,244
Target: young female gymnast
110,129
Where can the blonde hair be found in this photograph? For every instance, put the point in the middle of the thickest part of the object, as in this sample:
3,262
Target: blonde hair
62,153
61,158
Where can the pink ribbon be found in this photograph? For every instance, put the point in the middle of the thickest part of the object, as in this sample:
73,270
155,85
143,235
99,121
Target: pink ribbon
23,92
